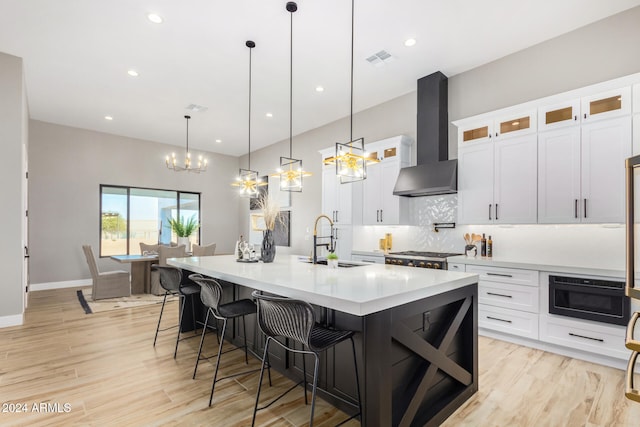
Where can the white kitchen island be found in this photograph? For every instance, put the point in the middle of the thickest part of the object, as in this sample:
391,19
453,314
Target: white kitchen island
416,331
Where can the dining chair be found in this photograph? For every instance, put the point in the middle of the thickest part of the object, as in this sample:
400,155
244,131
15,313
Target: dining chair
207,250
110,284
294,320
147,248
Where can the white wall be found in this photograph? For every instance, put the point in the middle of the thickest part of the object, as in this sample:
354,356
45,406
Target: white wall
67,166
13,115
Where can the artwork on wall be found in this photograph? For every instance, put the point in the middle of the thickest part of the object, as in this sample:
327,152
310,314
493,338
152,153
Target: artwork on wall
283,197
281,234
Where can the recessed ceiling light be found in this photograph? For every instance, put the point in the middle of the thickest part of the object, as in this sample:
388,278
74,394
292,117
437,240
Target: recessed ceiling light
218,141
269,115
156,19
410,42
319,89
133,73
108,118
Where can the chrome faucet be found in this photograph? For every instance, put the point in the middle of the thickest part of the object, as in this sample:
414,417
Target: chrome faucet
330,246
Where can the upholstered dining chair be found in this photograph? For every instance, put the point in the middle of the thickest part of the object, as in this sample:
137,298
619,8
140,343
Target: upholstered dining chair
207,250
110,284
165,252
144,247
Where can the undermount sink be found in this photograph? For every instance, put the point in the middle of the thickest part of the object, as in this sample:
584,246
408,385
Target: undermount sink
341,264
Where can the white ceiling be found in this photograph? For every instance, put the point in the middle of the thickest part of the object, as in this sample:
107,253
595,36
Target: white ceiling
77,53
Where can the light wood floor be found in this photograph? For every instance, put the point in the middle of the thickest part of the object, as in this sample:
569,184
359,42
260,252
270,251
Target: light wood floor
105,367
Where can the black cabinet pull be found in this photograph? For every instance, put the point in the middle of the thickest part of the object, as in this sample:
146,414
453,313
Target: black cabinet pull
377,215
585,208
496,211
575,208
490,211
499,295
381,220
499,274
585,115
496,134
575,118
337,216
585,337
499,320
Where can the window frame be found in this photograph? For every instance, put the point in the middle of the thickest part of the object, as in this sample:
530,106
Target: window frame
128,190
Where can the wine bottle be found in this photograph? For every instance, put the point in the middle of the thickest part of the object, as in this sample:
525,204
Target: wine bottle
489,247
483,246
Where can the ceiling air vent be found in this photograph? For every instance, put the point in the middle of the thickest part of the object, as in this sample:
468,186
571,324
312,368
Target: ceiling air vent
380,58
194,108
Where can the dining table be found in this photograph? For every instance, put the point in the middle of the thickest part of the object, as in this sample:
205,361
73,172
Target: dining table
140,271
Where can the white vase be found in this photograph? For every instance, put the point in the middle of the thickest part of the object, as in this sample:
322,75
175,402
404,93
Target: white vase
332,263
186,242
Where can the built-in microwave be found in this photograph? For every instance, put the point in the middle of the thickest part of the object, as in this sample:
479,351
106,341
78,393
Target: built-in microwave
591,299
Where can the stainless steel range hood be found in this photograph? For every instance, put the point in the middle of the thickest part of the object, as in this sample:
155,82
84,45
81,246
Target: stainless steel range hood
434,174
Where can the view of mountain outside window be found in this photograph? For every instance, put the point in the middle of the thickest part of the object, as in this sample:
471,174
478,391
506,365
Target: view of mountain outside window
132,215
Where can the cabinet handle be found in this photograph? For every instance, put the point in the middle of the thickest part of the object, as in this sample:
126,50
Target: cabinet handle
368,260
490,211
337,216
377,215
381,220
489,136
585,337
496,134
496,211
585,115
575,208
575,118
585,208
499,295
499,274
500,320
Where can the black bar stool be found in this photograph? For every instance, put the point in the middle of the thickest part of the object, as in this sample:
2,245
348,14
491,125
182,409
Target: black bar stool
211,295
295,320
170,280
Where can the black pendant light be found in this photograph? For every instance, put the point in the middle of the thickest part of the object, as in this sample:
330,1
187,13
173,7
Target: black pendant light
290,170
247,179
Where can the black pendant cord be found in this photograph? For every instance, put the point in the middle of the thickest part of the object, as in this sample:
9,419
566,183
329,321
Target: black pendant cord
249,157
291,86
187,117
351,114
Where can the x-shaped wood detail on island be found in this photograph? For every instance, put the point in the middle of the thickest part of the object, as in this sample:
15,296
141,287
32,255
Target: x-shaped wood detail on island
437,358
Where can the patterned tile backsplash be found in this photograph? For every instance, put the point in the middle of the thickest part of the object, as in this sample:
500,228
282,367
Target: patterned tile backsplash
425,211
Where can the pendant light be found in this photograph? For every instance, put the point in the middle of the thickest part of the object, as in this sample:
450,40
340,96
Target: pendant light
172,163
290,170
247,179
350,159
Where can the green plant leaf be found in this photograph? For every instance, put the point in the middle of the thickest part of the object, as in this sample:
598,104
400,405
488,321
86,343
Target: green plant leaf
182,228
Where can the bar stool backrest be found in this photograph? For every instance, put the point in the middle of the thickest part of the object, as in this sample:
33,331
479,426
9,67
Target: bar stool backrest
210,292
170,277
285,317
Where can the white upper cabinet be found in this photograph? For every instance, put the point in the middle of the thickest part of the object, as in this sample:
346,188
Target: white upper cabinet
559,176
336,198
605,105
515,183
515,124
559,115
475,183
379,205
605,146
475,132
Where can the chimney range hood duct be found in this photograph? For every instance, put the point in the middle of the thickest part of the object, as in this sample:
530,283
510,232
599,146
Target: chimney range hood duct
434,174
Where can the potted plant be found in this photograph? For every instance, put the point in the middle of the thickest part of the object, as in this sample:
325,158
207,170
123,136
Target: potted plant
332,260
184,229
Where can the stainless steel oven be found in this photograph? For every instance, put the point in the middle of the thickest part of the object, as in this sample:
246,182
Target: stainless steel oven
421,259
591,299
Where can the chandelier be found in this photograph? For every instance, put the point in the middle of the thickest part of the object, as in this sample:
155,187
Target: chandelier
290,171
351,159
172,162
247,179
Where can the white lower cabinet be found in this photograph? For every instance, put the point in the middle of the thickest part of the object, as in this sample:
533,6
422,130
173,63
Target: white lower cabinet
516,297
584,335
515,322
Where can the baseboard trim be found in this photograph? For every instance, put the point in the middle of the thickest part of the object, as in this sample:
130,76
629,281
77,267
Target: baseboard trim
15,320
59,285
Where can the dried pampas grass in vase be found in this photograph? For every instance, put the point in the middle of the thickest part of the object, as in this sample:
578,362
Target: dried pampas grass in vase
271,213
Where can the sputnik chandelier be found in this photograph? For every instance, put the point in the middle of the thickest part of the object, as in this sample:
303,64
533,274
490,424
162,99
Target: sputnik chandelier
172,162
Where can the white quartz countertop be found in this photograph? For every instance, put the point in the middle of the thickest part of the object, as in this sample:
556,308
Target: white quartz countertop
542,264
357,290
